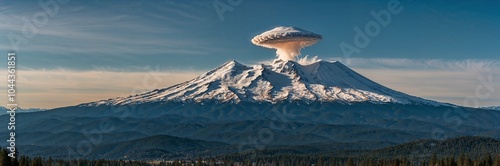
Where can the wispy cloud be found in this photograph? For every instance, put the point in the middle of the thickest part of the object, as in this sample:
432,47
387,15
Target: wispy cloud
81,28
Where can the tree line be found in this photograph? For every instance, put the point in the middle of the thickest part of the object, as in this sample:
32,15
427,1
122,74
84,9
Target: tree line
276,160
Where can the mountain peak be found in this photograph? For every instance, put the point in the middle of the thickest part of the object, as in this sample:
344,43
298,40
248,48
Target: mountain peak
231,62
279,81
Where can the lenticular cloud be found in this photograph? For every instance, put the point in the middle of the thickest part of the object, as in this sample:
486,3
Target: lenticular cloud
288,41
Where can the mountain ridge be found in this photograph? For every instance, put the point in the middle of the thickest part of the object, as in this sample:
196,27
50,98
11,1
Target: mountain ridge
3,110
492,108
233,82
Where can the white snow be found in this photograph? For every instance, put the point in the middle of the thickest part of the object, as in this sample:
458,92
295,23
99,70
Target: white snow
492,108
276,82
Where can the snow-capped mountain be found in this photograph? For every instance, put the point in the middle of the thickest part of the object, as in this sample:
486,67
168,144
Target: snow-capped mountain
3,110
492,108
322,103
278,81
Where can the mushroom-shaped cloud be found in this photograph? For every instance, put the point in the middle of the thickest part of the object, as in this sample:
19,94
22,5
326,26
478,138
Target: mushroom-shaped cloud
288,41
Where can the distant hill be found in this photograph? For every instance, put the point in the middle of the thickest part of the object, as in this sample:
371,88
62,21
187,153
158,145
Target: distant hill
3,110
492,108
154,147
471,146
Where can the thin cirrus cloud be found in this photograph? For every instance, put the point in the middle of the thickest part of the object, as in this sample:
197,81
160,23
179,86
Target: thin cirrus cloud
82,28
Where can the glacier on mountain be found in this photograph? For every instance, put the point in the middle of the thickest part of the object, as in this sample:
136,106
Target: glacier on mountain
279,81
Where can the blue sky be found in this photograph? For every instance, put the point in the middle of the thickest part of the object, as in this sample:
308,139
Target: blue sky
176,36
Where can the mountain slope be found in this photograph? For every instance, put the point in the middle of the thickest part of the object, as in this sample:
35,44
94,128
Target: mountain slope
492,107
276,82
3,110
472,146
279,104
153,147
